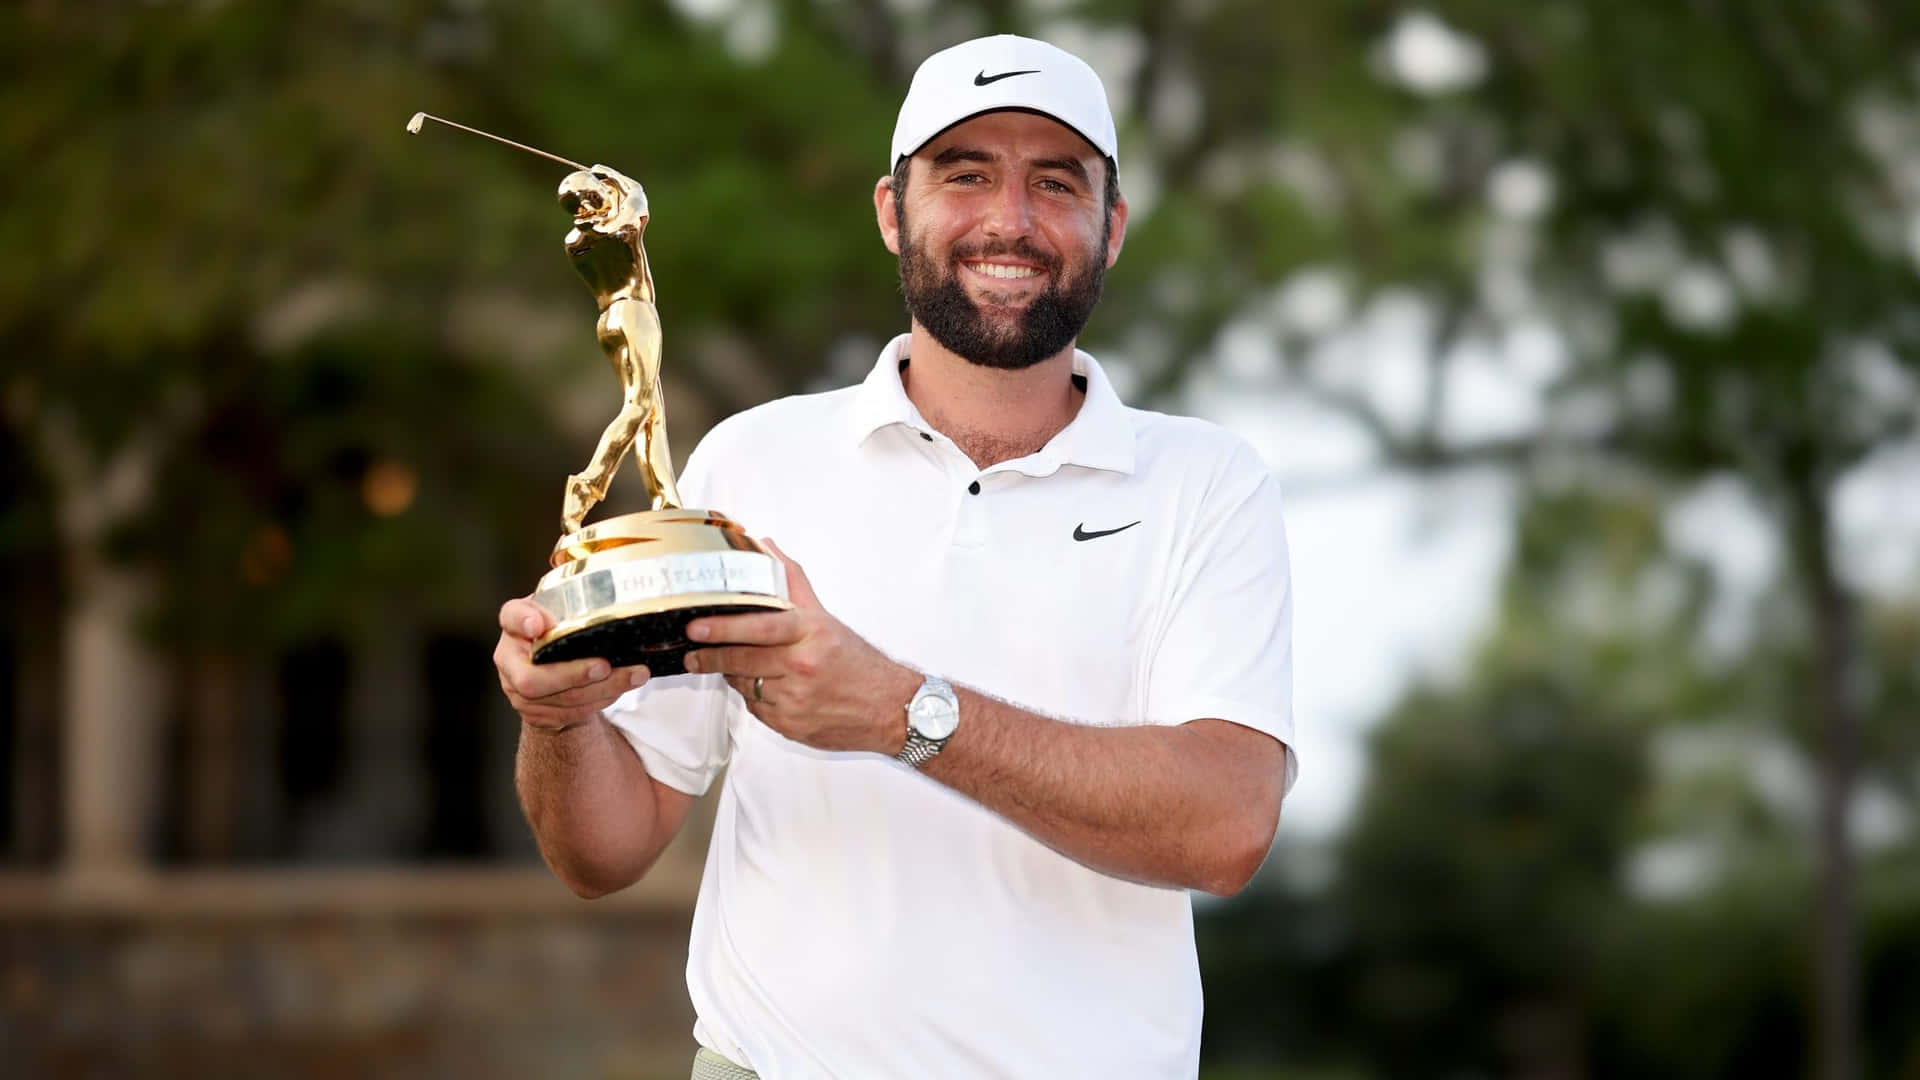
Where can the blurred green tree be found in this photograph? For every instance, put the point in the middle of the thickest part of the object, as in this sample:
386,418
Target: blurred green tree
312,380
1586,856
1480,880
229,258
1687,229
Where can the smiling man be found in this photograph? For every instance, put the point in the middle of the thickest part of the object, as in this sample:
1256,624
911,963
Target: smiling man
1036,685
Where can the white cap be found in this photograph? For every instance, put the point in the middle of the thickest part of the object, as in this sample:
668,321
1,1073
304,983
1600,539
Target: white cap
1004,72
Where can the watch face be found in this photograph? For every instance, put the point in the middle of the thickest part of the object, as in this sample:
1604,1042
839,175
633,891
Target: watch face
935,717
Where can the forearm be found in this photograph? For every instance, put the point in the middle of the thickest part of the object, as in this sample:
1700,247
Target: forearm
600,820
1193,806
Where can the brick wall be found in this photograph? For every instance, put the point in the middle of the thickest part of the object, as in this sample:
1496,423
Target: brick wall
412,975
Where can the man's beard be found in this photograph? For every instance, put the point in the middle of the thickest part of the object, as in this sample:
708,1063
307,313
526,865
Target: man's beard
1050,323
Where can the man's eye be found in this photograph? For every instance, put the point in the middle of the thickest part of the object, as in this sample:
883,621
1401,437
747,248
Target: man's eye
966,178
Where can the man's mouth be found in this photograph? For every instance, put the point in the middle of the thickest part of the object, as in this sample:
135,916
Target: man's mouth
1002,271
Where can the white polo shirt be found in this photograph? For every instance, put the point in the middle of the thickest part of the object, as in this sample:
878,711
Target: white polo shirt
858,919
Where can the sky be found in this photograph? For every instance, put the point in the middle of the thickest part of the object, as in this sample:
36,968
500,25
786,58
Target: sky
1394,576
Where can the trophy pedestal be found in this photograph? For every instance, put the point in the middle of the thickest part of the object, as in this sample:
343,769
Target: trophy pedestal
625,589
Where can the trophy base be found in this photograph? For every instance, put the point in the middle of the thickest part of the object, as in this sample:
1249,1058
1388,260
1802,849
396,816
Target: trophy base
657,639
626,588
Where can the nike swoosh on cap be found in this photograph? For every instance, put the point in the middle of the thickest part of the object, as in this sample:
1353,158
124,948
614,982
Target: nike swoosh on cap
984,79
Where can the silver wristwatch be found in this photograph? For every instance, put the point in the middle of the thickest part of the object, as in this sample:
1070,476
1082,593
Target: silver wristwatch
932,716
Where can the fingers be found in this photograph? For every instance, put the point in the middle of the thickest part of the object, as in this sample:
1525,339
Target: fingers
771,628
746,661
540,682
799,589
755,703
560,683
565,685
553,696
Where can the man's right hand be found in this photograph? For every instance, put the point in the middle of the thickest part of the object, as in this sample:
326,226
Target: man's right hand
553,697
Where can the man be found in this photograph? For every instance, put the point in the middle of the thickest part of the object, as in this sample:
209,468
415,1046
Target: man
1036,683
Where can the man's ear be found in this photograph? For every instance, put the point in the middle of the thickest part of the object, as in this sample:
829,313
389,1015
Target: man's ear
884,216
1118,234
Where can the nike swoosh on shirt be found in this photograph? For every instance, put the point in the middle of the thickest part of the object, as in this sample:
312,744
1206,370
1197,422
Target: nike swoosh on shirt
1080,531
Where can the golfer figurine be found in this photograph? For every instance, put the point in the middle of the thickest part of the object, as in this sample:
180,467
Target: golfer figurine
609,217
623,589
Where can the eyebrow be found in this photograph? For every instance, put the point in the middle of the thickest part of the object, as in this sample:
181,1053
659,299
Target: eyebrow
1071,166
955,154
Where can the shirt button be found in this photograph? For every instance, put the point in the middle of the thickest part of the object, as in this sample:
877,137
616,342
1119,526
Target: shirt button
926,436
973,488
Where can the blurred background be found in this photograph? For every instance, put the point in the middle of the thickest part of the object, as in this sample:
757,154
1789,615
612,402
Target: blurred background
1584,337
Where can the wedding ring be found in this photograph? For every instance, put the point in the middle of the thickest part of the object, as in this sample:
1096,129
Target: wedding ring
758,683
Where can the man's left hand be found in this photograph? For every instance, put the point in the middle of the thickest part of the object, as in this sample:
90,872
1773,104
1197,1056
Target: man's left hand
819,683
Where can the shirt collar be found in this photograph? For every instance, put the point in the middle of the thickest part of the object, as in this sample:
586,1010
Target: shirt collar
1100,436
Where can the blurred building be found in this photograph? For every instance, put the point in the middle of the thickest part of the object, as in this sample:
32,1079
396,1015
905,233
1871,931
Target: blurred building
310,867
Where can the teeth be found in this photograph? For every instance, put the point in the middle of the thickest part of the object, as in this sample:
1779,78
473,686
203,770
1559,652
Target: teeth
999,271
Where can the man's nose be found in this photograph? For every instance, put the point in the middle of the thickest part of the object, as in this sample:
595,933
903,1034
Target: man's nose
1010,214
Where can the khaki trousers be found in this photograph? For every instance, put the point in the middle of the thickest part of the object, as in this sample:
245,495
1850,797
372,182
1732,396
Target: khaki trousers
708,1065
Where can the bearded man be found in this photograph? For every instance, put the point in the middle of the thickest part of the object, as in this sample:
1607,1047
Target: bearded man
1036,685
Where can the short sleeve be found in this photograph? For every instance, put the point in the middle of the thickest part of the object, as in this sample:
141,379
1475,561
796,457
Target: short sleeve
1226,650
680,724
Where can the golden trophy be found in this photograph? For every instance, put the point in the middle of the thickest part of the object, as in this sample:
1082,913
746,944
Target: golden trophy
625,588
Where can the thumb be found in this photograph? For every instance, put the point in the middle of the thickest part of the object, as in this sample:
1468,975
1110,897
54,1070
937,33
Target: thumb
523,618
799,589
